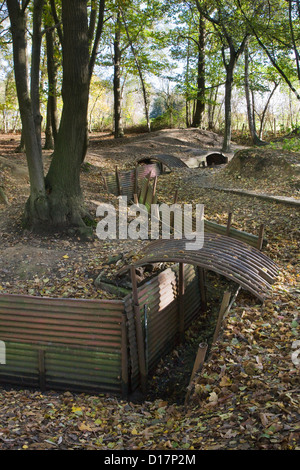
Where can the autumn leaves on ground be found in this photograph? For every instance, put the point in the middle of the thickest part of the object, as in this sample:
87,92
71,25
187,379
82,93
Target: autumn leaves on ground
247,394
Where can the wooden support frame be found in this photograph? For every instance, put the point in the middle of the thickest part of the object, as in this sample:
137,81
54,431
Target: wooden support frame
118,182
223,308
260,240
181,289
198,364
139,331
228,226
202,287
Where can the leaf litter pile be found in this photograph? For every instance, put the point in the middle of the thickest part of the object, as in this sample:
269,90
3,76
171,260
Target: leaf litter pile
247,393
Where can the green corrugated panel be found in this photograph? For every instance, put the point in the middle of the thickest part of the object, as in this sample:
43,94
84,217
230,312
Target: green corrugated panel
81,342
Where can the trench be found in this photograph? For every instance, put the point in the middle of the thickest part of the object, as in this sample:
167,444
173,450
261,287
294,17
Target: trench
170,378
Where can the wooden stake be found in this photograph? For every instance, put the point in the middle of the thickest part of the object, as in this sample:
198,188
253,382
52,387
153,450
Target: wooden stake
105,182
201,275
135,188
198,364
118,181
260,237
176,196
139,331
154,190
147,187
181,301
228,224
224,305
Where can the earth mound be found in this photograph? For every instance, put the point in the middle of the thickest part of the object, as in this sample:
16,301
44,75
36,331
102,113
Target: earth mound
263,162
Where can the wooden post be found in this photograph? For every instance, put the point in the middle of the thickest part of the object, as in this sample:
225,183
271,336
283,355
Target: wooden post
198,364
146,337
118,181
176,196
147,188
105,182
139,331
228,224
260,240
181,301
154,190
135,188
201,275
224,305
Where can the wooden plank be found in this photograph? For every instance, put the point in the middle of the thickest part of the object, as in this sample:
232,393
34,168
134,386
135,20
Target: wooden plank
181,301
139,331
224,306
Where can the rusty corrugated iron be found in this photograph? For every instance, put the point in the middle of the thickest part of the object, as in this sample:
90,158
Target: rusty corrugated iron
233,259
170,161
126,183
73,343
159,296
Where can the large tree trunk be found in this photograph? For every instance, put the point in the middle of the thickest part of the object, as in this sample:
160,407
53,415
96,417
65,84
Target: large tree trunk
200,106
63,179
36,211
57,201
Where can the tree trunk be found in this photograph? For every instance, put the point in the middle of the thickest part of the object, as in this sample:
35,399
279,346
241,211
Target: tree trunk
37,207
35,66
140,72
230,66
212,107
200,105
262,119
187,84
250,109
63,178
228,94
52,81
118,131
21,146
49,143
57,201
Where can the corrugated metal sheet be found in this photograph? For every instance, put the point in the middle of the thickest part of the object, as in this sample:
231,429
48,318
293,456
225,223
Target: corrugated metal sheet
81,342
169,161
129,180
158,300
231,258
245,237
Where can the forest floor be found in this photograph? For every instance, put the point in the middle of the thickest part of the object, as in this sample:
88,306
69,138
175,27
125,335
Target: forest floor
247,396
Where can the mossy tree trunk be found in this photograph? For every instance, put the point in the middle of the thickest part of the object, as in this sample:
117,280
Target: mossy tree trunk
63,178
